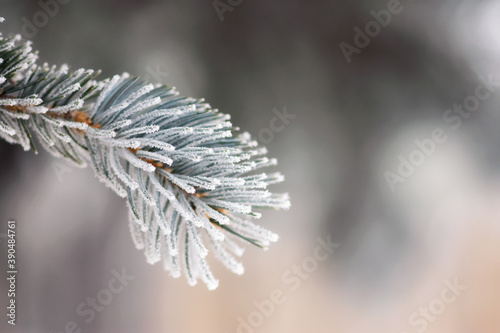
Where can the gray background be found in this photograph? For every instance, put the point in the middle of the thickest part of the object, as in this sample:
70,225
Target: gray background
352,122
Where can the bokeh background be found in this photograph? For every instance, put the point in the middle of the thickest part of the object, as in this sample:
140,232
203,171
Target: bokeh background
353,121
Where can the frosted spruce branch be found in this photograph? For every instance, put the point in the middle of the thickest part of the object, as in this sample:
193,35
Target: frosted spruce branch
190,182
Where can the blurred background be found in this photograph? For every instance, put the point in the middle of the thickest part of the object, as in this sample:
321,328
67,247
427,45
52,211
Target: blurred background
391,149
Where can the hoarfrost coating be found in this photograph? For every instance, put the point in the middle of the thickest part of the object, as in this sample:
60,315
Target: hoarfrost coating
188,177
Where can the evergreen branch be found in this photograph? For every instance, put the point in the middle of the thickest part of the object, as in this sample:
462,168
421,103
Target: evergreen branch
186,173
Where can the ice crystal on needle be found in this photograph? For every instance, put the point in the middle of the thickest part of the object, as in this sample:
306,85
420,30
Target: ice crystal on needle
188,179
